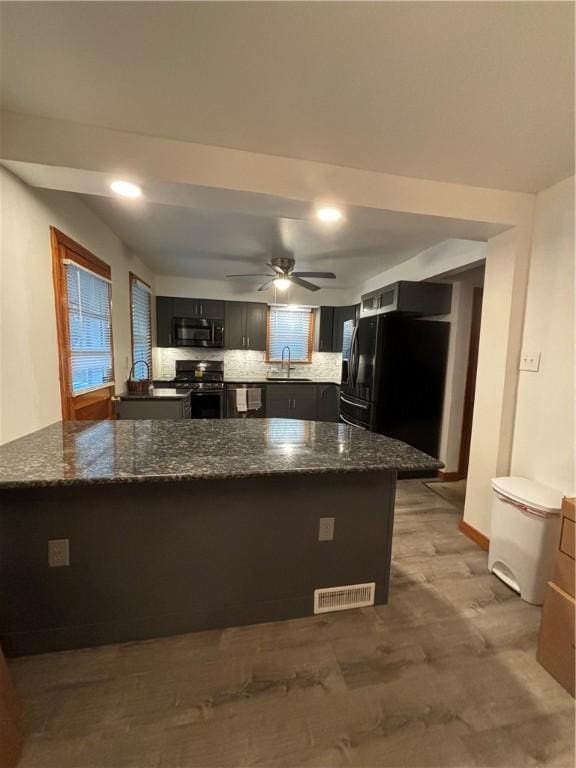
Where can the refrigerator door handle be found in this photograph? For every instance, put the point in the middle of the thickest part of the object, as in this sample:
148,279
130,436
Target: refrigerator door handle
351,356
345,420
356,405
355,358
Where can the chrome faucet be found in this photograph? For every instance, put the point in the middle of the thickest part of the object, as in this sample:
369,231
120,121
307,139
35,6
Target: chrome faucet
289,361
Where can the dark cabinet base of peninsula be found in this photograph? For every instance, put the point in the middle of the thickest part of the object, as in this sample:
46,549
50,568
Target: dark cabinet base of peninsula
313,402
153,559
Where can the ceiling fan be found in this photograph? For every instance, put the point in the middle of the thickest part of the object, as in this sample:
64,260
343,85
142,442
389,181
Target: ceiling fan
283,275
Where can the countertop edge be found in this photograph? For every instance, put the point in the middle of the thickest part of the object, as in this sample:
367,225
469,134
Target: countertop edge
176,478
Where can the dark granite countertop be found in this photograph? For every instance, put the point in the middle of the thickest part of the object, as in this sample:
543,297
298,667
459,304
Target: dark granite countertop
157,393
97,452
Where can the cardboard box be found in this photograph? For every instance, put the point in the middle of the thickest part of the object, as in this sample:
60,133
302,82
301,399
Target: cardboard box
11,738
556,645
569,508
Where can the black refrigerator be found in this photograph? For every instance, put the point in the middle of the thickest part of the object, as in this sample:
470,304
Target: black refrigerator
393,371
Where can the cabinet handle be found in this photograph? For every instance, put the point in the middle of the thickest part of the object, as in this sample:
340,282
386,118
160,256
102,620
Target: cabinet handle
201,309
248,341
244,341
170,339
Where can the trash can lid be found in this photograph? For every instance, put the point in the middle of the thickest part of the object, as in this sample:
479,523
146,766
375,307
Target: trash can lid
528,492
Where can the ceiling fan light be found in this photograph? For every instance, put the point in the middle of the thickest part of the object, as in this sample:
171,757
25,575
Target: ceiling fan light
329,214
125,188
282,283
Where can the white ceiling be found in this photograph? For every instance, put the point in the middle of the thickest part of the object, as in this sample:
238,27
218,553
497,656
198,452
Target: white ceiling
479,93
204,233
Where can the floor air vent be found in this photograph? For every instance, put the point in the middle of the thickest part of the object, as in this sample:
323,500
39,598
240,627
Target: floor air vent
343,598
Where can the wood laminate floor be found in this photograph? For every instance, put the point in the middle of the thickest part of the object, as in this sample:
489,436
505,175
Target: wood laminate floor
445,675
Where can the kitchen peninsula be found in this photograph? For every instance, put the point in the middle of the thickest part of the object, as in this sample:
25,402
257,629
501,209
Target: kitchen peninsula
177,526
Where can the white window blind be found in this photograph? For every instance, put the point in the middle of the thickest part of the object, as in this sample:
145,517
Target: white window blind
140,300
290,328
89,328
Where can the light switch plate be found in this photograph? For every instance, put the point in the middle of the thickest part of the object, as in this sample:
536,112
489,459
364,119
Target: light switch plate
326,529
58,552
530,361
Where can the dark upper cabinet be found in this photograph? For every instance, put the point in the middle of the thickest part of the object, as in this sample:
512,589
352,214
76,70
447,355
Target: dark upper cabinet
325,339
208,308
245,325
164,315
341,315
234,325
409,297
256,323
211,309
328,402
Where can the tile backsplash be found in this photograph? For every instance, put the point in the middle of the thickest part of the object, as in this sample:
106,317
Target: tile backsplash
244,364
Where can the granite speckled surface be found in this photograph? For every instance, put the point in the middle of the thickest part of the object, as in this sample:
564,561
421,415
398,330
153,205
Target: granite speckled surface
98,452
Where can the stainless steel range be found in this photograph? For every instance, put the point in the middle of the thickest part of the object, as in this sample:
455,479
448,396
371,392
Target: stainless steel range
205,380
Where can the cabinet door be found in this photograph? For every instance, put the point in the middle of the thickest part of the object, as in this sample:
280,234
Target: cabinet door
279,402
325,339
211,309
256,322
164,321
305,402
235,325
186,307
341,314
328,402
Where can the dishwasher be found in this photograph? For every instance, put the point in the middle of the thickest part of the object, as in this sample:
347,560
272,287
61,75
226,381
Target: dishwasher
232,411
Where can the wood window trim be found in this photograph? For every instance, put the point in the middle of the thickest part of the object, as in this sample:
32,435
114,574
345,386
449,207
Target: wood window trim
60,243
132,278
311,328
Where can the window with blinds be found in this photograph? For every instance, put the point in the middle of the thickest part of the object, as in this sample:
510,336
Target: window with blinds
293,328
88,298
141,317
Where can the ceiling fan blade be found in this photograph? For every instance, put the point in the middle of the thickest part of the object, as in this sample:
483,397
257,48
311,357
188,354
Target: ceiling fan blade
327,275
252,274
266,285
304,283
278,270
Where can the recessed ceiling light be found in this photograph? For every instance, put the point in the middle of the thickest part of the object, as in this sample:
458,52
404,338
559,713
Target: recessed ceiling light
329,214
125,188
282,283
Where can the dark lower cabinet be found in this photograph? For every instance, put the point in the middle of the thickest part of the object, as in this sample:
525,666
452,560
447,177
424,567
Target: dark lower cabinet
292,401
313,402
328,402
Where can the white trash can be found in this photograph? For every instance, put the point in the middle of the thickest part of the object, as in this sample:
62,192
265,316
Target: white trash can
524,535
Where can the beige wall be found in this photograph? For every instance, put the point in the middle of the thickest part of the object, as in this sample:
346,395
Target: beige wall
524,421
29,383
543,447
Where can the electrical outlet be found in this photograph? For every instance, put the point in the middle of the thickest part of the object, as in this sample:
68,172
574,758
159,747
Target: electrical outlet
58,552
530,361
326,529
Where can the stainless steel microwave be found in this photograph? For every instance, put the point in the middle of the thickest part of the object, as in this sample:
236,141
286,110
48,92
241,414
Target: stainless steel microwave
198,332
